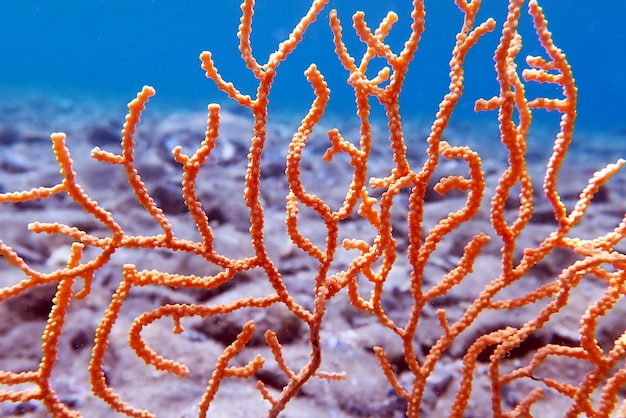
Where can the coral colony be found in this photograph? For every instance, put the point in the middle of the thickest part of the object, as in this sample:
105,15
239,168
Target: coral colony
371,200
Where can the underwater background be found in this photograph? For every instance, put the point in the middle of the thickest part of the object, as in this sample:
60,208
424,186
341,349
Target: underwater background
73,65
109,49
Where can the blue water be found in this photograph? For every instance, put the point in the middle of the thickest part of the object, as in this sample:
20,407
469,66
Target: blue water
114,47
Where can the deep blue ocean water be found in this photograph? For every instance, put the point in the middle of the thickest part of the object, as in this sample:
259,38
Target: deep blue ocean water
113,47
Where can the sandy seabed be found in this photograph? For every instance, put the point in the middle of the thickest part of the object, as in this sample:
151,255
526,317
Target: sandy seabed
348,335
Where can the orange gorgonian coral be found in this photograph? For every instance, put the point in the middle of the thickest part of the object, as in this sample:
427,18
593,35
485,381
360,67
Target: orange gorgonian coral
372,200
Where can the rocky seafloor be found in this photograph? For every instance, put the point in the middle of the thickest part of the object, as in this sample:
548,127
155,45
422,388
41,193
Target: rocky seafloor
348,335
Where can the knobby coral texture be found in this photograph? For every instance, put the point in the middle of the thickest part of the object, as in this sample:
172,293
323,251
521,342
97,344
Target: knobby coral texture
496,349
